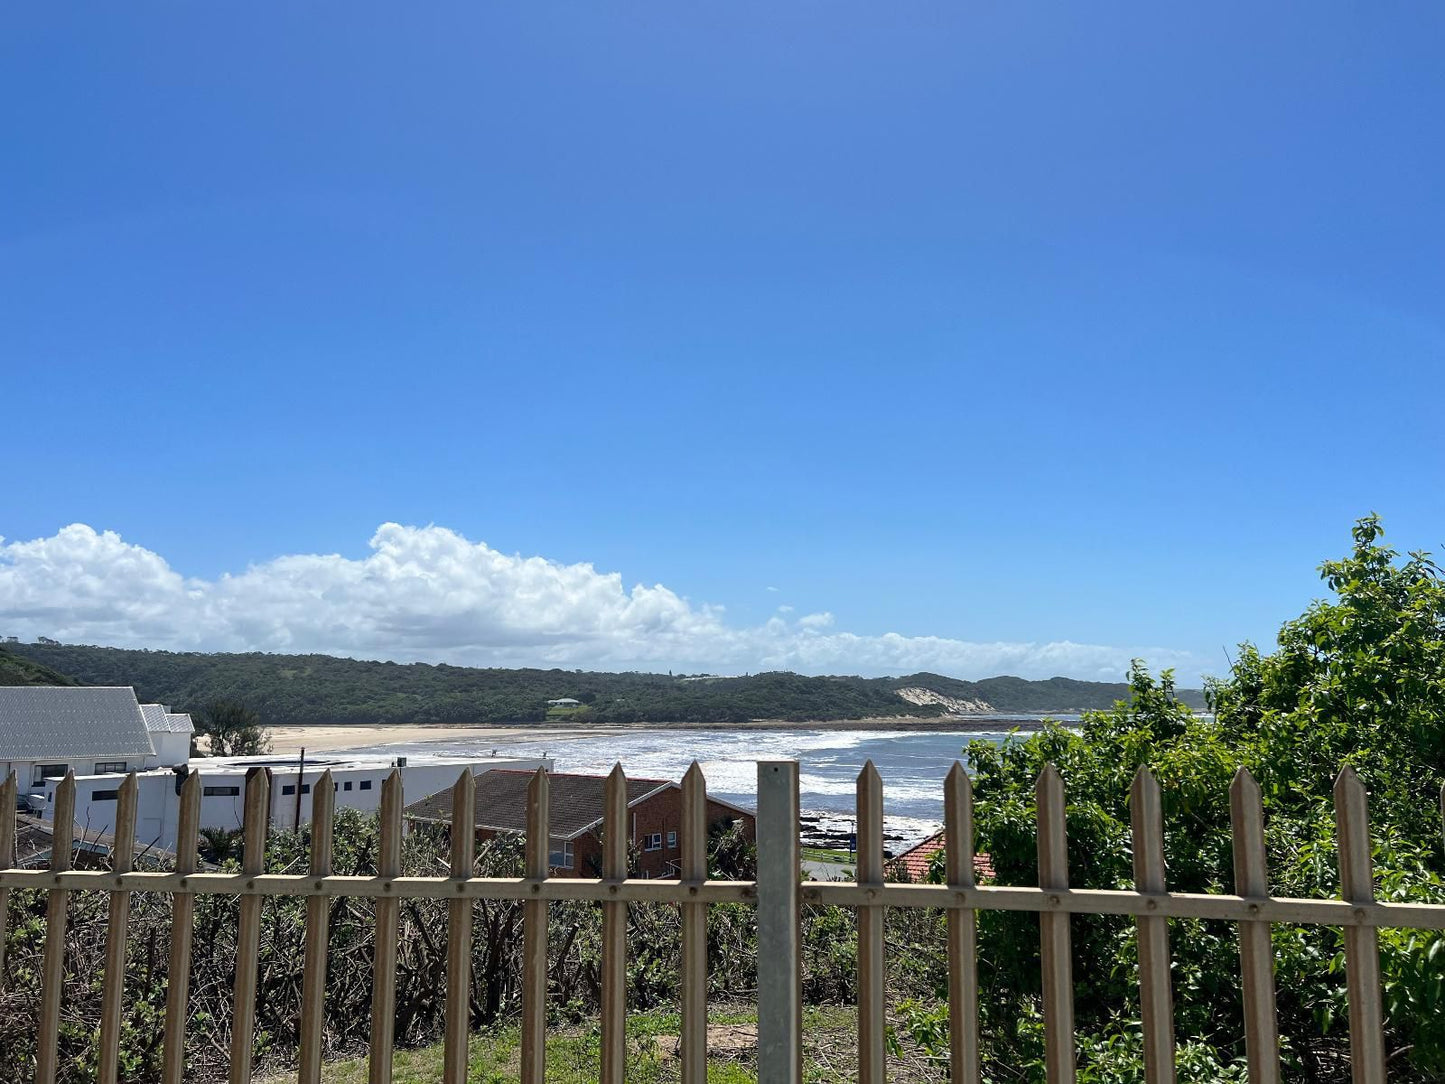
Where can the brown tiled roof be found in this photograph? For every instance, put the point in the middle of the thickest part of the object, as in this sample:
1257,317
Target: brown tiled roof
574,801
913,863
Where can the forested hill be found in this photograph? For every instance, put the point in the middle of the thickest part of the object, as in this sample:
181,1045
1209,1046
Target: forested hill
19,670
325,689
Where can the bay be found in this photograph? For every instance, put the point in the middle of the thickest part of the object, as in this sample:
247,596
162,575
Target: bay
912,764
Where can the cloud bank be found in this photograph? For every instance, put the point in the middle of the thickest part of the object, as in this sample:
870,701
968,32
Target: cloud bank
429,594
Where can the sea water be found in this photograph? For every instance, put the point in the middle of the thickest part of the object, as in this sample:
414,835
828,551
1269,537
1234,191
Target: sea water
912,764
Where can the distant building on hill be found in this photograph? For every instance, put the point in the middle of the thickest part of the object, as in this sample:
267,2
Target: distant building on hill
564,702
575,808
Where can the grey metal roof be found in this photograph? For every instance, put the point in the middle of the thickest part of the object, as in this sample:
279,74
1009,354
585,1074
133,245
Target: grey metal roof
53,722
179,723
160,721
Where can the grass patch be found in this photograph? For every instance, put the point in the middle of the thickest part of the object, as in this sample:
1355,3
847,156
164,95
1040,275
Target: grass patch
573,1054
828,854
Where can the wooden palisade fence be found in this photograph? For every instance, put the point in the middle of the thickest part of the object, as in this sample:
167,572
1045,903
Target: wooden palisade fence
777,894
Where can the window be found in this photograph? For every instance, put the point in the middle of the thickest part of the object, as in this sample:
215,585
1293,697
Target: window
288,788
652,841
104,795
672,841
305,788
348,784
110,767
221,792
366,784
49,771
561,859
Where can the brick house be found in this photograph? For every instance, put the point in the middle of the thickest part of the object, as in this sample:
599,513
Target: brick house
912,865
654,814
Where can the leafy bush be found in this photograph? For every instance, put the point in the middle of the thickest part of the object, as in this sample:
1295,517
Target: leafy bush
1358,680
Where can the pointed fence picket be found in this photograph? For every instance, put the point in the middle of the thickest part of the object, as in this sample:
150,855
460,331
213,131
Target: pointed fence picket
318,920
122,856
871,966
1054,935
459,934
387,921
1155,997
1362,943
183,909
614,930
777,894
256,818
534,935
1256,956
963,1038
57,907
694,929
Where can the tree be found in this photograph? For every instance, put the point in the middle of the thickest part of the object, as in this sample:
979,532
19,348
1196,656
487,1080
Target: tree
234,729
1357,679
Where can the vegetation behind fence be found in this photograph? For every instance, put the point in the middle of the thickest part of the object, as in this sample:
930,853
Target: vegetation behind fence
434,974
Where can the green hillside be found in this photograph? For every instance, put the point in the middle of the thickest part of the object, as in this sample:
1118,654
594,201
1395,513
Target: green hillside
19,670
325,689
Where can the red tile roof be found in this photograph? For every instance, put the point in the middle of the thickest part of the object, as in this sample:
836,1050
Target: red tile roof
575,801
912,864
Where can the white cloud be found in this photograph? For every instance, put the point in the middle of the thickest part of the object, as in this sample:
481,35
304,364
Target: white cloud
427,593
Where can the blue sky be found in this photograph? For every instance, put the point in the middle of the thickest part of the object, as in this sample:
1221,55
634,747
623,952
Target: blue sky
1003,326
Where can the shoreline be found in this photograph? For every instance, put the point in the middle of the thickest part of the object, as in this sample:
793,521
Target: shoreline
327,737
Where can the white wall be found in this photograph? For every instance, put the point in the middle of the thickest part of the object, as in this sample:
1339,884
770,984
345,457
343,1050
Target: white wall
223,795
172,750
156,807
418,781
25,771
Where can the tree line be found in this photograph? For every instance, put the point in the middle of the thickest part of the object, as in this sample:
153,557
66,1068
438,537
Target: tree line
325,689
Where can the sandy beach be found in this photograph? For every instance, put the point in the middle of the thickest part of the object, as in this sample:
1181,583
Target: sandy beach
321,739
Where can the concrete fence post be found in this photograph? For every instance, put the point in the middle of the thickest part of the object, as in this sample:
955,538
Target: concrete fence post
780,962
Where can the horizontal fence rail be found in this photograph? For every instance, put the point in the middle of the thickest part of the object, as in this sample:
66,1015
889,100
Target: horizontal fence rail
778,894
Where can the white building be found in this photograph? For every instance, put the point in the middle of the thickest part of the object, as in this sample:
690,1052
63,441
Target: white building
48,730
101,734
356,783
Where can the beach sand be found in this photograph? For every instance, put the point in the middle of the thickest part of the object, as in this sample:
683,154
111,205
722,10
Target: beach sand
321,739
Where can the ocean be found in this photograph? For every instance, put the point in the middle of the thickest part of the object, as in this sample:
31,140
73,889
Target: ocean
911,763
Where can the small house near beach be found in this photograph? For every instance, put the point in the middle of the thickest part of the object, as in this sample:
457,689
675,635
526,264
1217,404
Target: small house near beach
575,808
912,865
